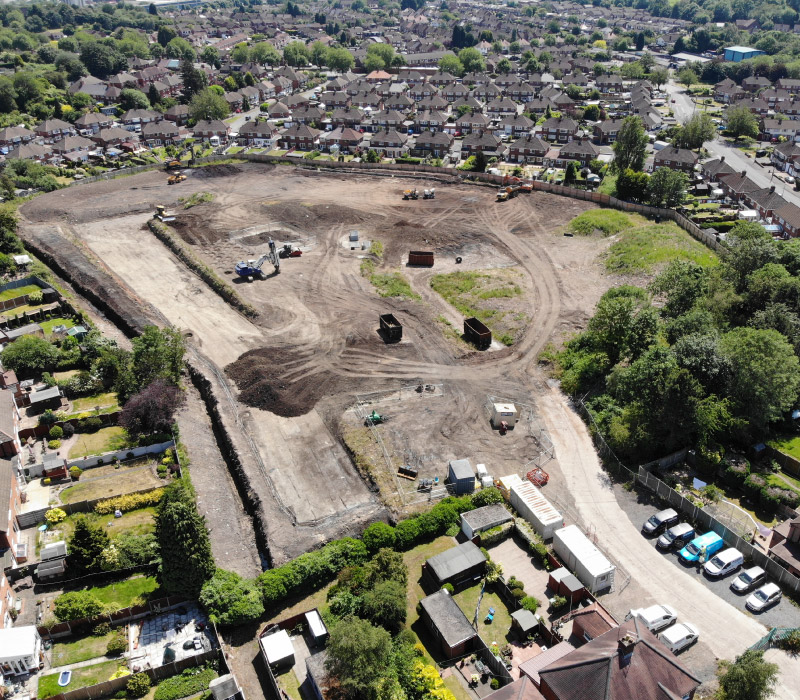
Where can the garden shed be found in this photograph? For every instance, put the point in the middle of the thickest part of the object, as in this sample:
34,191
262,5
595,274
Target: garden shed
278,649
524,621
474,522
461,475
448,624
463,564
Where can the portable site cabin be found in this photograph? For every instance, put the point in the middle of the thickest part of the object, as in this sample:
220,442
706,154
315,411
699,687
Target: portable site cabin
317,630
462,477
505,483
504,413
481,519
578,553
536,509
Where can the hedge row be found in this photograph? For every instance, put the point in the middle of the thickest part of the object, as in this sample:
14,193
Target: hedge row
217,284
131,501
313,570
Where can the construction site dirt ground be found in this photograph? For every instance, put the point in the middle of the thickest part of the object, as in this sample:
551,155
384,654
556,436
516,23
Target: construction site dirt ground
298,367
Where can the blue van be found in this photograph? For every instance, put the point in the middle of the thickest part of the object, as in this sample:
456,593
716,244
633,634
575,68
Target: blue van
708,544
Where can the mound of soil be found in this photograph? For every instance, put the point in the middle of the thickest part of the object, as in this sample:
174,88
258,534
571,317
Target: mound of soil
314,216
261,377
261,238
223,170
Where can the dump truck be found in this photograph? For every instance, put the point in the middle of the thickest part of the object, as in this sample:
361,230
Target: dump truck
477,334
410,194
175,179
173,164
391,329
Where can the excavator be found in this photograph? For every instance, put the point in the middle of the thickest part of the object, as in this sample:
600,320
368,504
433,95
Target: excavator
252,268
512,188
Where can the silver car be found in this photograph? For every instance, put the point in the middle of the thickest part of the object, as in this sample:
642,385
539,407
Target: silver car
769,594
749,579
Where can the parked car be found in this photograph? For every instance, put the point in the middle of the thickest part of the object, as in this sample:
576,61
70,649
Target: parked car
706,545
679,636
676,537
749,579
660,522
656,617
724,563
769,594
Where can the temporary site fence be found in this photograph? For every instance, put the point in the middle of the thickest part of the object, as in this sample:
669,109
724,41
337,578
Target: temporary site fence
774,638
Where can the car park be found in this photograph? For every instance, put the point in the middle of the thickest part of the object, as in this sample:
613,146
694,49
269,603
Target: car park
724,563
706,545
676,537
679,636
656,617
768,595
749,579
660,522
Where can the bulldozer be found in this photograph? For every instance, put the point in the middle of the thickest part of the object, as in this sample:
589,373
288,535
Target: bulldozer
410,194
175,179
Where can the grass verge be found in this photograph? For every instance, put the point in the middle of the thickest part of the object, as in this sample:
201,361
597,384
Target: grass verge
468,292
606,221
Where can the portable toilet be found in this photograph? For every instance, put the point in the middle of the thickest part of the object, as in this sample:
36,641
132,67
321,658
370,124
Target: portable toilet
461,476
353,235
504,412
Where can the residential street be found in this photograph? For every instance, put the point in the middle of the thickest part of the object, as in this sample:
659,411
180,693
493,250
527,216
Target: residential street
726,630
684,108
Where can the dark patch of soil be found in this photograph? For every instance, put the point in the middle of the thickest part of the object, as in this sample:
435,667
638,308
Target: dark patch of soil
264,379
194,227
224,170
261,238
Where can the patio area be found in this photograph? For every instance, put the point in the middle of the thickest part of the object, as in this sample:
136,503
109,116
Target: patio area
177,634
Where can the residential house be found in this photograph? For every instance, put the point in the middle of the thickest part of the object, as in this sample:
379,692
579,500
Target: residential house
560,129
528,149
483,141
785,544
388,119
435,144
755,104
754,83
606,131
205,129
471,122
737,185
786,156
580,149
345,140
712,170
9,429
112,136
775,128
52,130
135,119
178,114
676,159
788,218
765,201
389,143
501,106
433,121
607,84
515,125
92,122
279,111
308,114
300,136
76,145
161,133
13,136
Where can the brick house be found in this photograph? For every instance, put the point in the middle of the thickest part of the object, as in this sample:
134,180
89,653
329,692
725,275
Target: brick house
581,150
472,122
52,130
205,129
161,133
483,141
389,143
300,136
528,149
765,201
560,129
737,185
788,217
257,133
607,130
178,114
609,84
346,139
712,170
675,158
436,144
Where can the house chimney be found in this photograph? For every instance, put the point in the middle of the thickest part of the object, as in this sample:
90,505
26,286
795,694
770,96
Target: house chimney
722,159
626,645
772,189
744,173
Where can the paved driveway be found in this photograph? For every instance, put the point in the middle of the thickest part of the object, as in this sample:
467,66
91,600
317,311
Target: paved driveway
724,629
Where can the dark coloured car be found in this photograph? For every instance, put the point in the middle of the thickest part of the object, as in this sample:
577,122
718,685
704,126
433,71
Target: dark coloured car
660,522
677,537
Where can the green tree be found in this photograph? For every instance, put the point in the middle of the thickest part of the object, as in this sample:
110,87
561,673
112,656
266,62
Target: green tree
667,188
687,77
101,60
680,285
86,545
740,121
504,68
385,605
749,677
28,90
765,374
230,599
378,535
319,54
591,113
265,53
180,48
630,146
296,54
472,60
659,76
240,53
8,95
166,34
208,105
194,80
571,172
186,559
632,186
130,98
451,64
695,132
373,62
340,60
359,655
211,56
76,605
158,354
30,355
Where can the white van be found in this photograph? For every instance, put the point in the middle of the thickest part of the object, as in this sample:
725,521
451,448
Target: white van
725,562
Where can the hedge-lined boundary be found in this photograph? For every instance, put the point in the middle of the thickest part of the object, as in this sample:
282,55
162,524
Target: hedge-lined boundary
186,256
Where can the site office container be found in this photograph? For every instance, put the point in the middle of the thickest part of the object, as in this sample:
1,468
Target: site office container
529,502
580,555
